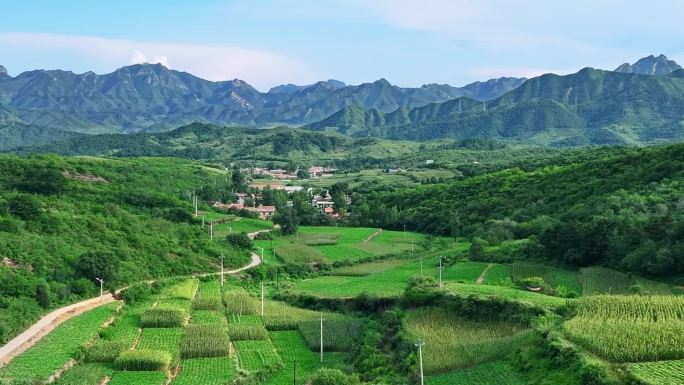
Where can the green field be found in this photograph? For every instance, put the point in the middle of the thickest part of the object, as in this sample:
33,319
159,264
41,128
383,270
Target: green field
497,373
55,349
659,373
452,342
241,225
138,378
206,371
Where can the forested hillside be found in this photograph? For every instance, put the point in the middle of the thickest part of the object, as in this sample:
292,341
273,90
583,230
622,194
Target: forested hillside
621,210
66,221
589,107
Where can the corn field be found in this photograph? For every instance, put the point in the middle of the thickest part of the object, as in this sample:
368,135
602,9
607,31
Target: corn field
452,342
630,329
200,341
163,317
143,359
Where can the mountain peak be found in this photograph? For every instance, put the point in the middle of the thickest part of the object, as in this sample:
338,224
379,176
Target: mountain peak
3,72
650,65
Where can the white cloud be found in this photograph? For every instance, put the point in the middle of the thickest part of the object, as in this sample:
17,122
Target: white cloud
260,68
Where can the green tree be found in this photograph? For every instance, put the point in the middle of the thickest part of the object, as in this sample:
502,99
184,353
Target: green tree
43,295
239,240
98,264
286,217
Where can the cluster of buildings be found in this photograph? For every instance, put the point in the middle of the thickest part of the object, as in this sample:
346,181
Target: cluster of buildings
321,201
284,175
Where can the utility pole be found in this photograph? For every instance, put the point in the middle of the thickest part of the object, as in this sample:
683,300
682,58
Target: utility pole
195,205
230,230
420,344
262,299
211,230
221,269
440,272
262,254
322,338
101,287
294,372
404,231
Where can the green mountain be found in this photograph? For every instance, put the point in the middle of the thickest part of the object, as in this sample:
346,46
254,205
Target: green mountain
650,65
152,98
588,107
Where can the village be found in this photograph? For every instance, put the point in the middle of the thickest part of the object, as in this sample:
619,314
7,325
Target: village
279,179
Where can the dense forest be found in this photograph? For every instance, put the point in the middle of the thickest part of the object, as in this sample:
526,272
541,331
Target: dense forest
66,221
625,210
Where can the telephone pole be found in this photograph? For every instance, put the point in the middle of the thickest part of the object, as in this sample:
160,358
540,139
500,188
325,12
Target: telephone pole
211,230
420,344
440,272
262,298
262,254
101,287
195,205
221,269
322,338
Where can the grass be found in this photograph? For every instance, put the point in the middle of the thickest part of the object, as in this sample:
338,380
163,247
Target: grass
242,332
495,373
281,316
452,342
184,289
508,293
104,350
364,269
206,371
242,225
254,356
466,272
659,373
138,378
238,301
166,339
291,346
143,360
208,296
125,327
56,348
298,254
208,317
499,275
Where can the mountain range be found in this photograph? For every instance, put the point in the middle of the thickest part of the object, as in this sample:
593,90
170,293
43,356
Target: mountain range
638,103
588,107
151,97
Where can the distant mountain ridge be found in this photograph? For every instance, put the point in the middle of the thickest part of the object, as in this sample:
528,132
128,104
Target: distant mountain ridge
588,107
650,65
151,98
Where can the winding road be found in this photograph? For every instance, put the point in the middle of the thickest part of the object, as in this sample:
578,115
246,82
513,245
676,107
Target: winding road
49,322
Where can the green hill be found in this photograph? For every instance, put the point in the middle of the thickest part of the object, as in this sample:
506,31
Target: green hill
620,210
66,221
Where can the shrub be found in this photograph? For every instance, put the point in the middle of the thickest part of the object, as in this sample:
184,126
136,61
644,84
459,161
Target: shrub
163,317
239,240
143,360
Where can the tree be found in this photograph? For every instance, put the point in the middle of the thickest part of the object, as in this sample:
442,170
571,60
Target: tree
328,376
303,174
24,206
97,264
43,295
477,249
238,178
239,240
287,219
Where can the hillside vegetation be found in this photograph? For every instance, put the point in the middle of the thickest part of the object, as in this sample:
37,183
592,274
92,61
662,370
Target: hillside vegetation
623,211
66,221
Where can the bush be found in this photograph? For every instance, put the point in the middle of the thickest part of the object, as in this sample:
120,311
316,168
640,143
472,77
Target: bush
163,317
143,360
239,240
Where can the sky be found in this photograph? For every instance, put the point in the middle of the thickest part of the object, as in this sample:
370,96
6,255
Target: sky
271,42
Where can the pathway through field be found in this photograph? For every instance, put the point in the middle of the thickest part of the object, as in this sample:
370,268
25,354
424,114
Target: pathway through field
49,322
375,234
482,276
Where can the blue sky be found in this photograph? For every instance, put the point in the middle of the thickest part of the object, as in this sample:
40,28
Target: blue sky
270,42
